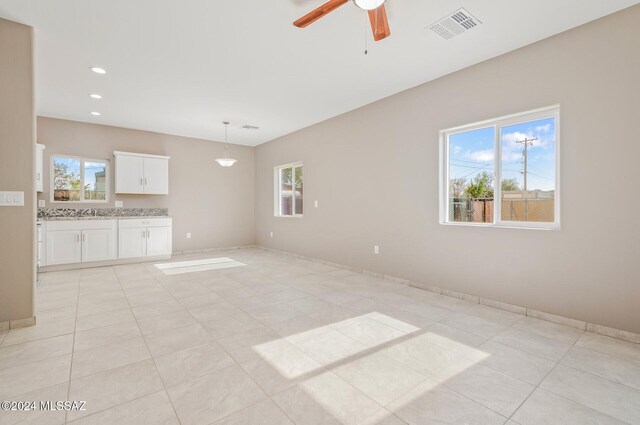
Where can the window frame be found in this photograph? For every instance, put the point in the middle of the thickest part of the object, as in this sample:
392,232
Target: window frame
498,124
82,162
277,182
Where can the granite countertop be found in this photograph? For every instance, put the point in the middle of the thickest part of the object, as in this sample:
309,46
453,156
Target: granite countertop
101,218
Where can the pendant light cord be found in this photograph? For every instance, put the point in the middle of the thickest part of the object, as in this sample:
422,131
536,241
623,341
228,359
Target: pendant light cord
226,139
366,47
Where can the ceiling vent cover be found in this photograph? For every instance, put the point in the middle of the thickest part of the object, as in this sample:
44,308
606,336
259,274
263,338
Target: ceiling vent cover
250,127
455,24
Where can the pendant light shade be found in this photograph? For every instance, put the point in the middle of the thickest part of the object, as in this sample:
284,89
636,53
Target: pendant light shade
226,161
369,4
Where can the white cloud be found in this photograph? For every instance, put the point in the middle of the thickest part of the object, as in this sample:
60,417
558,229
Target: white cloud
481,156
544,128
457,150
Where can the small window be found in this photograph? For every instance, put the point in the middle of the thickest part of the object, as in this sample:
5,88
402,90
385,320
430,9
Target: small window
78,180
502,172
289,190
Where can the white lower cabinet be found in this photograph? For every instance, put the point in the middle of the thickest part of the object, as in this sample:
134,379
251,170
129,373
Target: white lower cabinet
145,238
132,243
83,241
80,241
63,247
158,241
99,245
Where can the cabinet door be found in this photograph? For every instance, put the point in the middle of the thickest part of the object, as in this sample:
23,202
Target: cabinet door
64,247
99,245
132,243
156,176
129,174
158,241
39,167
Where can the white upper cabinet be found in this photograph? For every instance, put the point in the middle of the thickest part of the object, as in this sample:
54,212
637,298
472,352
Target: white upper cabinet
142,174
129,174
156,176
39,167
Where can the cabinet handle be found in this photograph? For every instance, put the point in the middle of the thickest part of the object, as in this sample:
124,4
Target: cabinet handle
140,181
77,238
145,181
148,233
143,234
83,237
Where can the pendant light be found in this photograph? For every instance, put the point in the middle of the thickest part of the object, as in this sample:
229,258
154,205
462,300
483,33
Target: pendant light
369,4
226,161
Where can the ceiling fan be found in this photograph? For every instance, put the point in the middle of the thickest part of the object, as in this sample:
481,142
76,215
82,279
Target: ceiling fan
375,8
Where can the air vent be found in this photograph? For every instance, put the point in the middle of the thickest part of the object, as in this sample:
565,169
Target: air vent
455,24
250,127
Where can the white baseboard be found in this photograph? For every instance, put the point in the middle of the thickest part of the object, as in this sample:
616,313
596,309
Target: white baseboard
17,323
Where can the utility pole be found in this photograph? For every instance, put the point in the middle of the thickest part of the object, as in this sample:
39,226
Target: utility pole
527,142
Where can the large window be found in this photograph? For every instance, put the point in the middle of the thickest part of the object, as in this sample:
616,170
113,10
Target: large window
78,180
502,172
289,190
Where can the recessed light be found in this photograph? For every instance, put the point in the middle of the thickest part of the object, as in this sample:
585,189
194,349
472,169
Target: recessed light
97,114
98,70
95,96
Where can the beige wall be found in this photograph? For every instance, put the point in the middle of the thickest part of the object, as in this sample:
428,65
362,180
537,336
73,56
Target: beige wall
17,157
213,203
374,172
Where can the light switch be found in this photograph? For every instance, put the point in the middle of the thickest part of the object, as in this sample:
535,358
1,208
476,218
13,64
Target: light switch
42,203
11,199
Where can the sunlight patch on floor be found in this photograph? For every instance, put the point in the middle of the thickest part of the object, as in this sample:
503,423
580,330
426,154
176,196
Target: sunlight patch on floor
198,265
306,356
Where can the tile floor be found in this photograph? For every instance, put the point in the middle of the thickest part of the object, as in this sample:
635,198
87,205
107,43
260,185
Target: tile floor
283,341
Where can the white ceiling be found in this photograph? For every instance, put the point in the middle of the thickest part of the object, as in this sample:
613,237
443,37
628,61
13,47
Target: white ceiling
182,67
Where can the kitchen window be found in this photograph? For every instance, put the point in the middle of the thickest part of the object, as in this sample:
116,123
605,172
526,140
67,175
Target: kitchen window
289,194
76,179
502,172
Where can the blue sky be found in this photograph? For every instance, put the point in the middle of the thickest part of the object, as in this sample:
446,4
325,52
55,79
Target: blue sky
472,152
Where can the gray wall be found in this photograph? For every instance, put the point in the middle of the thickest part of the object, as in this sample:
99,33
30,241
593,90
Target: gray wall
213,203
17,157
374,172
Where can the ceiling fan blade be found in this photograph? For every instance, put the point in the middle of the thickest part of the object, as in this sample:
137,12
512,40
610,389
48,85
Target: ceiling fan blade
379,23
318,13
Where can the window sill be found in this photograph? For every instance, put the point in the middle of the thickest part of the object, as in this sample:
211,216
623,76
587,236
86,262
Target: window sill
552,227
78,202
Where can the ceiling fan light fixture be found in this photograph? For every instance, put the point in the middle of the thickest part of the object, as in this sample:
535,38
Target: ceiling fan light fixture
369,4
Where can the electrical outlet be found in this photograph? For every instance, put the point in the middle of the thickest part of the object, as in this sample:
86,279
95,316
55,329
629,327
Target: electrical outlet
376,249
42,203
315,204
271,234
188,235
119,204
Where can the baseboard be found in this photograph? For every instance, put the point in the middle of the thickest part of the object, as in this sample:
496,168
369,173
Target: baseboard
17,323
523,310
